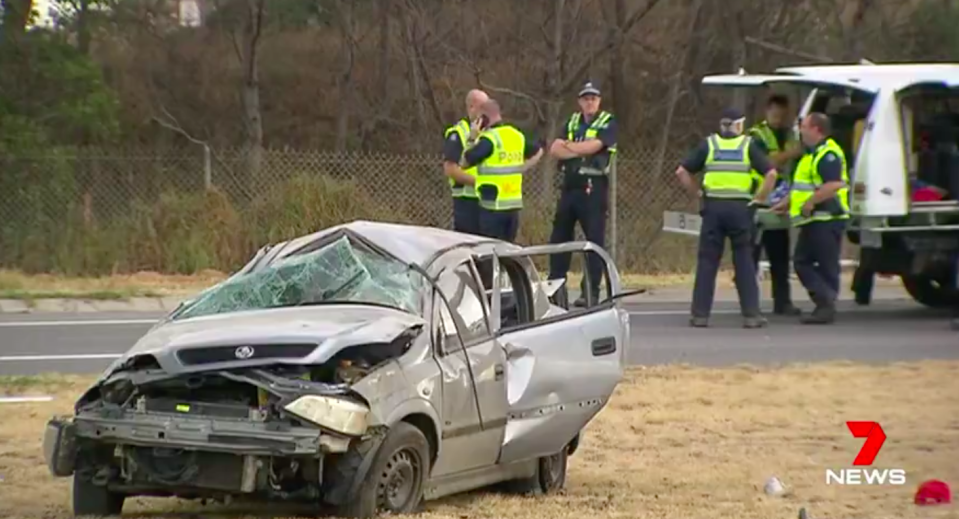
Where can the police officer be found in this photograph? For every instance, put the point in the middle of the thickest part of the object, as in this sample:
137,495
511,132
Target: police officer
457,139
585,157
728,211
818,205
501,155
775,137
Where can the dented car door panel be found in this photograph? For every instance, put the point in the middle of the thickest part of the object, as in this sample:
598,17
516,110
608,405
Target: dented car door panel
555,387
474,388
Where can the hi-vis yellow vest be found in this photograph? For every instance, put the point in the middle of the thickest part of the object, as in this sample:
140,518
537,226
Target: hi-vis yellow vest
462,128
503,169
599,122
807,180
764,132
727,168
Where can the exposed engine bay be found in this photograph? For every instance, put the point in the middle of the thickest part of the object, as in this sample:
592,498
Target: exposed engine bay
280,431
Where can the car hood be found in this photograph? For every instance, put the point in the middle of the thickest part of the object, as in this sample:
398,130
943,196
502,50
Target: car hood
330,327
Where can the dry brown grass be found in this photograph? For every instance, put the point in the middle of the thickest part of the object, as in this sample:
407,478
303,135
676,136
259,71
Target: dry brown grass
675,442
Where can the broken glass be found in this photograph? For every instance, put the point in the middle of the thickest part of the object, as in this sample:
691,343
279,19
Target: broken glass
336,272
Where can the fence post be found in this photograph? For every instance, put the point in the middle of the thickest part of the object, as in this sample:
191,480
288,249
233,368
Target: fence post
207,168
613,216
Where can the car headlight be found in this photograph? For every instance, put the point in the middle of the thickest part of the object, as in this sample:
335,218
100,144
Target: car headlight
336,414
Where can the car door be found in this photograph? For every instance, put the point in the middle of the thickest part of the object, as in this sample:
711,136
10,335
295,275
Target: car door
473,368
561,370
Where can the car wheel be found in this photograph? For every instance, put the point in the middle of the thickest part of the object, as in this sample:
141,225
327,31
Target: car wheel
394,483
550,476
95,500
929,291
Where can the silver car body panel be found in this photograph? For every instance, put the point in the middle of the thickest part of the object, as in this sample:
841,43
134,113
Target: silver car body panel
490,395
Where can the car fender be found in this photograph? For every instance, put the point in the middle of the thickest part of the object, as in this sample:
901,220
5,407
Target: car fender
344,491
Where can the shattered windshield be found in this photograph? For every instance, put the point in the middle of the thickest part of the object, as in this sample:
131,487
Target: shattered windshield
337,272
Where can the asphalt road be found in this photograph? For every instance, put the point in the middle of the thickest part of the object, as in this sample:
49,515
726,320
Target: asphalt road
885,331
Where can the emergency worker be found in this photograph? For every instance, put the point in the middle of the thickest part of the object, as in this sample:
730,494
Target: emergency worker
818,205
501,155
776,138
584,159
457,139
728,211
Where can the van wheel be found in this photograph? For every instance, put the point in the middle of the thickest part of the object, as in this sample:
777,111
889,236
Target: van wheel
549,478
930,291
95,500
395,481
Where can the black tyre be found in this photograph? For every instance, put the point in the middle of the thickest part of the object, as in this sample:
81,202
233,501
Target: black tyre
95,500
550,476
930,291
396,479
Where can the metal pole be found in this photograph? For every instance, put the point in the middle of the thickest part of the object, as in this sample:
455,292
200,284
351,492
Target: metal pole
207,168
612,211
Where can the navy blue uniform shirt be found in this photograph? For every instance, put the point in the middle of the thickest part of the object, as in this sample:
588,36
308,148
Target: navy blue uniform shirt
608,135
696,161
484,148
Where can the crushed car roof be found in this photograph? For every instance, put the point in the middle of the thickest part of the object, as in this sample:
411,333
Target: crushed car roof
410,243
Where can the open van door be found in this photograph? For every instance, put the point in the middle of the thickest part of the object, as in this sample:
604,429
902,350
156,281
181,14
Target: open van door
688,223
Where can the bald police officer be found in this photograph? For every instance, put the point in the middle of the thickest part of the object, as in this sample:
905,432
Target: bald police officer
501,155
585,156
457,139
728,211
818,205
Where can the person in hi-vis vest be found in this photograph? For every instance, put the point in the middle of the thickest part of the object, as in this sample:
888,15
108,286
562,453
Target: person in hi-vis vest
456,140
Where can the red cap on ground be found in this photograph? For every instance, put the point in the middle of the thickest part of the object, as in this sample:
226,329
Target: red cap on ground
933,492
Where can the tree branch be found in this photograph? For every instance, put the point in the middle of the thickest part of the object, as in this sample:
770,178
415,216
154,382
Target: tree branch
789,52
610,42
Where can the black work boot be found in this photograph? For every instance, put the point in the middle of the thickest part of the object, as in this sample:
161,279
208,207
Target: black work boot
699,322
755,321
580,302
787,309
823,314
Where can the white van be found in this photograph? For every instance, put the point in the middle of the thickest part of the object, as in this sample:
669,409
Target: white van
898,123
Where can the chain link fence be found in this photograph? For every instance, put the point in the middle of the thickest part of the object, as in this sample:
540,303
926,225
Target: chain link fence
93,211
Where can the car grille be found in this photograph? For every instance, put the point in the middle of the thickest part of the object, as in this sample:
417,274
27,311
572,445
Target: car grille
210,355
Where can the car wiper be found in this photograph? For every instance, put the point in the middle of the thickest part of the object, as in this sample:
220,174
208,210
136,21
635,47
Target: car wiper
324,302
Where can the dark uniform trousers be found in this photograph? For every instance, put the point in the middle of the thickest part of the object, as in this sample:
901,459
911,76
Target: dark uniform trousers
816,259
723,219
589,209
776,244
501,225
466,215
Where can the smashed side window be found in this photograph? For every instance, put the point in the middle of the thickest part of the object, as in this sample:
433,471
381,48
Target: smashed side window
337,272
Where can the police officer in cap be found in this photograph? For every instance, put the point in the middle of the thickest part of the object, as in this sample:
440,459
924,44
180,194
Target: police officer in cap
728,211
584,158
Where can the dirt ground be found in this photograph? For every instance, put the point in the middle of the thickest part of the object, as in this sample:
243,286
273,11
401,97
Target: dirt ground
675,442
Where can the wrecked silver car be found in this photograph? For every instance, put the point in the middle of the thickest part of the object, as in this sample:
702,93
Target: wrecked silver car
367,367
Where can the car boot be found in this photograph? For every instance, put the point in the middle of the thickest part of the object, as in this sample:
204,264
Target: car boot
787,309
822,314
699,322
755,321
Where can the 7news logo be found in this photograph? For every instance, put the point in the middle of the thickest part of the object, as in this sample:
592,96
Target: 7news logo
875,437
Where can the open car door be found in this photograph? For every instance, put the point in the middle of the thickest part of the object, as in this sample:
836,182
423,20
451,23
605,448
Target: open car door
562,366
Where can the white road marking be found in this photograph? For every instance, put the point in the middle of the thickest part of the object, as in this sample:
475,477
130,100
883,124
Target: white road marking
24,399
79,356
15,324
